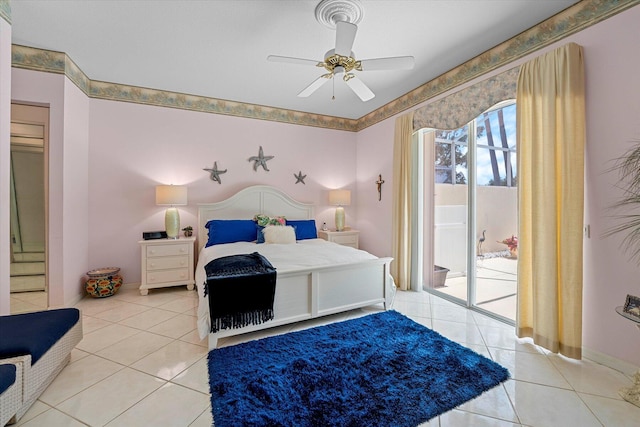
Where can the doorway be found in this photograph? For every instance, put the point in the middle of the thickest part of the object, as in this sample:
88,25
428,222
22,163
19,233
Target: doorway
28,212
472,177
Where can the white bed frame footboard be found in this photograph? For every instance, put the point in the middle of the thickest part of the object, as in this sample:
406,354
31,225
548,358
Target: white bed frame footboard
302,294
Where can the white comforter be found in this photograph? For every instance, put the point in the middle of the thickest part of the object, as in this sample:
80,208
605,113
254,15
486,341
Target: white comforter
284,257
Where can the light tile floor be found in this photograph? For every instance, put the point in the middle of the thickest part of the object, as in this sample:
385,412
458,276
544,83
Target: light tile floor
141,363
25,302
496,286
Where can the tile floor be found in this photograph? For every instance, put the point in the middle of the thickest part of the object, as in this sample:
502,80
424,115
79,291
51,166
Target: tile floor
496,286
25,302
141,363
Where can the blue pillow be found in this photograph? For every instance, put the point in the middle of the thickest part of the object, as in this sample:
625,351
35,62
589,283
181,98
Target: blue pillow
230,231
260,237
305,229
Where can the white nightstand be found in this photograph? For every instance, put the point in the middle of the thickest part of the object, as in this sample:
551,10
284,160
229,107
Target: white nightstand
345,238
167,262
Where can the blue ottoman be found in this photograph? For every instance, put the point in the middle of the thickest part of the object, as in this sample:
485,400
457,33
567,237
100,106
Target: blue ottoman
39,344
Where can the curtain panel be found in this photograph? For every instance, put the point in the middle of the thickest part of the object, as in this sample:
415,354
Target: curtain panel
401,217
551,139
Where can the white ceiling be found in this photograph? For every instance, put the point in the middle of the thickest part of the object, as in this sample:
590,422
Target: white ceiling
218,48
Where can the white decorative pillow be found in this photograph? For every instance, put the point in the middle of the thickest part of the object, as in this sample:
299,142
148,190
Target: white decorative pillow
279,234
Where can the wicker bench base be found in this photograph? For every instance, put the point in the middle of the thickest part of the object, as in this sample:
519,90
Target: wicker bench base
11,398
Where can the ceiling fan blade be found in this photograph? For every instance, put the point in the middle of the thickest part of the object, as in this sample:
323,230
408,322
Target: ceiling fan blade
360,88
394,63
289,60
345,36
315,85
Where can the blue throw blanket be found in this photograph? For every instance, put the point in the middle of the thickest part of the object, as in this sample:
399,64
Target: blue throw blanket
241,289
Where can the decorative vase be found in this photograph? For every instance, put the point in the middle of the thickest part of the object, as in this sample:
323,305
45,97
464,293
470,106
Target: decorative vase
103,282
188,233
513,252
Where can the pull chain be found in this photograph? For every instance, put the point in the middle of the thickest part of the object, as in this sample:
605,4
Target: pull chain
333,89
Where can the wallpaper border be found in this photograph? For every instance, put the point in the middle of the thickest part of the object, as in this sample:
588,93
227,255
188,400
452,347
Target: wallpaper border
5,10
571,20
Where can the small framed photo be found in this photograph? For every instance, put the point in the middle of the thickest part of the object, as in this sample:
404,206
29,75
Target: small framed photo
632,306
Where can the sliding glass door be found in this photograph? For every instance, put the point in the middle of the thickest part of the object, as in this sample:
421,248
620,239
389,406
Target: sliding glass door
471,224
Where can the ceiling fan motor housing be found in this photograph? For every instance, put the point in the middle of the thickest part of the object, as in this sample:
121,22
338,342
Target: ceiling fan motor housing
332,60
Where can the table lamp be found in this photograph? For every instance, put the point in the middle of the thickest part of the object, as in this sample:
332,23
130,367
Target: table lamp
340,198
171,195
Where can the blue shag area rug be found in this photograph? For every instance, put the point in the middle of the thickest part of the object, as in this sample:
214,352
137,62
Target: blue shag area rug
381,369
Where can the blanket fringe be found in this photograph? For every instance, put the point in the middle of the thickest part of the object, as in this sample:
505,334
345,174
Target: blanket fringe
240,320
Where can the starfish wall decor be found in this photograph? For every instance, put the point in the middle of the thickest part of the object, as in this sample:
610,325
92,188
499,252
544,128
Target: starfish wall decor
260,160
300,177
215,173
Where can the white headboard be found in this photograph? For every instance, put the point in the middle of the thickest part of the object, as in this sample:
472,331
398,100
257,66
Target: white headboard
258,199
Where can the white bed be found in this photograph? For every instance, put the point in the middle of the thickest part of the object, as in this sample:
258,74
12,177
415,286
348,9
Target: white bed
346,279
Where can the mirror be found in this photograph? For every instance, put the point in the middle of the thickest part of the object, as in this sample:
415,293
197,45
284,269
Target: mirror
27,211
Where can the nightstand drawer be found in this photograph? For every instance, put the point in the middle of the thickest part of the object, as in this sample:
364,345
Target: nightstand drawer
168,250
168,275
346,240
166,263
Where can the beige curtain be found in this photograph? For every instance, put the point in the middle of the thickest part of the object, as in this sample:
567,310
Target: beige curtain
551,138
401,215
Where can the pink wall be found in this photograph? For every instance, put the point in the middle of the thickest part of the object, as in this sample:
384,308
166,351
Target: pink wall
135,147
375,157
75,220
613,109
613,120
5,144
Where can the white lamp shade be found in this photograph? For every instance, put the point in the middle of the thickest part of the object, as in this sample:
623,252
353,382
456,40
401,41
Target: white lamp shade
171,195
340,197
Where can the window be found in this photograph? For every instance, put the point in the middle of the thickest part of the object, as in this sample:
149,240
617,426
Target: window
494,134
451,155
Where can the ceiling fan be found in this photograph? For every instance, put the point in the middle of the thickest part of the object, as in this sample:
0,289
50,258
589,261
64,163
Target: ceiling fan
343,15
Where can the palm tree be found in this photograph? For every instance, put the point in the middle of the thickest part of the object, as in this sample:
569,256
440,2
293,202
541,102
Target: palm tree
628,168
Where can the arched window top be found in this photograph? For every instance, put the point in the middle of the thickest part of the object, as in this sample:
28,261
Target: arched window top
458,109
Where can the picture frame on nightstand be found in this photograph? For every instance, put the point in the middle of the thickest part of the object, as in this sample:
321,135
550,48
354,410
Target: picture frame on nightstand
632,306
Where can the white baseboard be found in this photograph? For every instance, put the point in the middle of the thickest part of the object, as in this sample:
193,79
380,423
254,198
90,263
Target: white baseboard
133,285
610,361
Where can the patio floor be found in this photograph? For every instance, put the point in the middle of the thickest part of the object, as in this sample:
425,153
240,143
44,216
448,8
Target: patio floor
496,286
